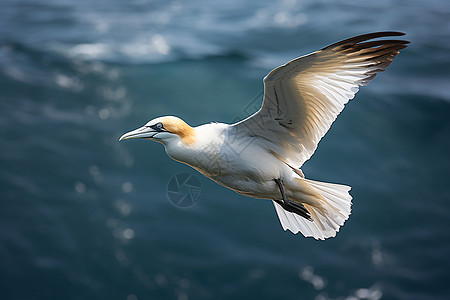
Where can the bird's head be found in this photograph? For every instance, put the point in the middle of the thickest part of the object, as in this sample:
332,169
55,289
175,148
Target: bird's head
164,130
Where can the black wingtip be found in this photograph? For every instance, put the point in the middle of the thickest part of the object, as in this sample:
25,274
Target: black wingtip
368,36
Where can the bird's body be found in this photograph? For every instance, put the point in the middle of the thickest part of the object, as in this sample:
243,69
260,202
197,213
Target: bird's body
217,157
248,171
243,166
261,156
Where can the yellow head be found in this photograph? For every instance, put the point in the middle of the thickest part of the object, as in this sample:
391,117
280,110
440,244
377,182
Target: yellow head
163,130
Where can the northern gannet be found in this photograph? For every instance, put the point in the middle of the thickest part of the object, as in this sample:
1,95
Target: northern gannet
261,156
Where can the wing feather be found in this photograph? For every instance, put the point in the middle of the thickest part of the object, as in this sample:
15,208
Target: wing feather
303,97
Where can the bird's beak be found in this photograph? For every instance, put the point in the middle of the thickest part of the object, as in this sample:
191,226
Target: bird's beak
143,132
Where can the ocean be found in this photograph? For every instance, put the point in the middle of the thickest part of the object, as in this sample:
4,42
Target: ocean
84,216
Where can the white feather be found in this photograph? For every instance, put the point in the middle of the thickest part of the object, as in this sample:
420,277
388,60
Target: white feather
327,220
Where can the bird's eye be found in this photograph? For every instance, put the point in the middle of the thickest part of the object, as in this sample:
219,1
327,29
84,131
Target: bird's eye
158,127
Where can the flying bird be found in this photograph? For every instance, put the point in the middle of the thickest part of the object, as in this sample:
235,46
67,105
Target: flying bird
262,155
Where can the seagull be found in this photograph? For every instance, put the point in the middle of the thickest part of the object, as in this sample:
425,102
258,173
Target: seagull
262,155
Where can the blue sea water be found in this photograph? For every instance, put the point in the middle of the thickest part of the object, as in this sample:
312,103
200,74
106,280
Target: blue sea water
86,217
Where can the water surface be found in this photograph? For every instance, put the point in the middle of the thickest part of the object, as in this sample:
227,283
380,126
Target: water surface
86,217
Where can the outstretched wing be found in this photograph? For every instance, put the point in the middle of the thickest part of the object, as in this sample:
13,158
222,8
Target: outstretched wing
303,97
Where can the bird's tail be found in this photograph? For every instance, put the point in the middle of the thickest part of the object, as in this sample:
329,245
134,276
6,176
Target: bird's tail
329,205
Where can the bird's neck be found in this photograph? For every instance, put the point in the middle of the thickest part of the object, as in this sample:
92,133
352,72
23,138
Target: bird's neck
202,150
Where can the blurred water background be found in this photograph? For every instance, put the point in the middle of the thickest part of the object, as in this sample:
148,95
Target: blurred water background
86,217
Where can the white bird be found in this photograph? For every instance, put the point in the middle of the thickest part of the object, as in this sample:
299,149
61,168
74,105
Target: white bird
261,156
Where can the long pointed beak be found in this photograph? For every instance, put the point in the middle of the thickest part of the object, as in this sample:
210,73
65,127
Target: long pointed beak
143,132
